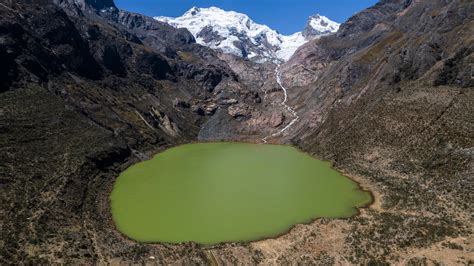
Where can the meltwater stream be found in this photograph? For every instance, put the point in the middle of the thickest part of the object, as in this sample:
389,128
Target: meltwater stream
289,108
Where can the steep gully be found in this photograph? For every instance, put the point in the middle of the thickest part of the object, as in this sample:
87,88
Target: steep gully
283,103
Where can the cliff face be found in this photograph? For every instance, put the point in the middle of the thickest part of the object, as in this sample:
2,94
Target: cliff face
87,89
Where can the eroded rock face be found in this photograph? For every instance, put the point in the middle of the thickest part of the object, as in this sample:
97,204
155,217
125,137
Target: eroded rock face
383,12
239,111
277,119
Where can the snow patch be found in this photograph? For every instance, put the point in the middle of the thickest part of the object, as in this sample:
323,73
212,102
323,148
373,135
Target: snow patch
323,24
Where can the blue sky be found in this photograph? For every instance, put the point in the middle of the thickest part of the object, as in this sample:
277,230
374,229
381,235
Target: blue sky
286,16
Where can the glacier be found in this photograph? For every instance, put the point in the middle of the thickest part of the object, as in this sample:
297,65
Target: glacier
236,33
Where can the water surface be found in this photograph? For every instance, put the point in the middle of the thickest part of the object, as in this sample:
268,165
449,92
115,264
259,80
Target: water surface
228,192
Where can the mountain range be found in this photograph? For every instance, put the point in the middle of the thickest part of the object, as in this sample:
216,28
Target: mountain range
88,89
236,33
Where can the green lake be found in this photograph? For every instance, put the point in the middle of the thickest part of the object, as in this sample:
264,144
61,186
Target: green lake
228,192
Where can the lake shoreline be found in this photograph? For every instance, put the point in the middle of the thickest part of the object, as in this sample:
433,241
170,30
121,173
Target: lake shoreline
362,185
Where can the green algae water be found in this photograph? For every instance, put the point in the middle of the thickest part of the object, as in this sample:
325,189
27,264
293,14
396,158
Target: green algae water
228,192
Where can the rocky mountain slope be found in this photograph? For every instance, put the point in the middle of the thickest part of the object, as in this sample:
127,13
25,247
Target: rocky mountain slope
237,34
390,98
87,89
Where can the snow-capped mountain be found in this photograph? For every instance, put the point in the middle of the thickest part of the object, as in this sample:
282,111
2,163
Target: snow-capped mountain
319,25
237,34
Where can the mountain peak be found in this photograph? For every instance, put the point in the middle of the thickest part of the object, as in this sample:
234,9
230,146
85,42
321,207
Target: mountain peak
236,33
318,25
193,11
